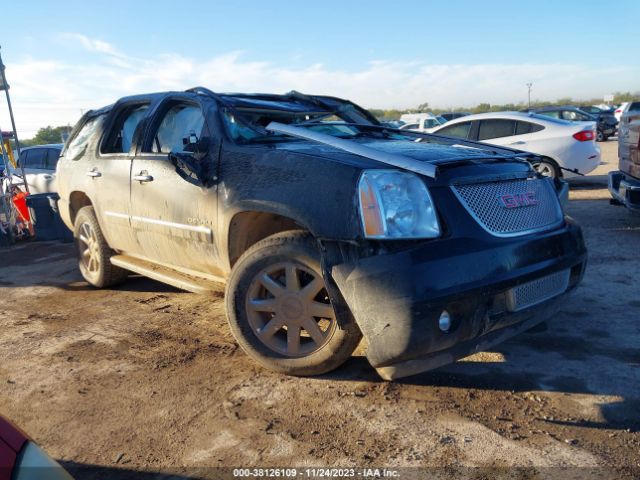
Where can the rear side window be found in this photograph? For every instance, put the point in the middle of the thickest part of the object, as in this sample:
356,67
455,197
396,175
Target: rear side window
36,158
527,127
178,124
459,130
120,137
496,128
78,144
635,106
52,158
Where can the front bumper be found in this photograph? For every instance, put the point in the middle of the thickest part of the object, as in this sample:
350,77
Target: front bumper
397,298
625,190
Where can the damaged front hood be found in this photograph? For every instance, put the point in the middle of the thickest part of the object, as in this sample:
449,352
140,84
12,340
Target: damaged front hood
416,156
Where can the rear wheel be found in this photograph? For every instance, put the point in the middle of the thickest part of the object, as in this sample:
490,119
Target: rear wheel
547,168
279,309
94,254
600,136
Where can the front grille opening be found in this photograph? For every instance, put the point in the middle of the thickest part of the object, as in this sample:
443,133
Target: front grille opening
537,291
512,207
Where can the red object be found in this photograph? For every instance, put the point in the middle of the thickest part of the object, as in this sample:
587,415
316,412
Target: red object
584,135
20,201
12,440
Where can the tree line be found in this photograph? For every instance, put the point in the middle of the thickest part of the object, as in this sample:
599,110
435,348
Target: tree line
394,114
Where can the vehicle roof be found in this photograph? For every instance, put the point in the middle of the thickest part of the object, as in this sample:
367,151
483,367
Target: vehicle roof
551,108
508,115
46,145
292,101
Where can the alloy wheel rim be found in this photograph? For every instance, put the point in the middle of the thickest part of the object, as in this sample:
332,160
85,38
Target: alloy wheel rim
88,248
289,310
545,169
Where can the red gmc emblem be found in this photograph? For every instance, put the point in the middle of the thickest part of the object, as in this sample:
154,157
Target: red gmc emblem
517,200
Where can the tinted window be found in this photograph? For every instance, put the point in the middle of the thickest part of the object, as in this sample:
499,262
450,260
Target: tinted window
459,130
52,158
36,158
78,145
522,128
527,127
121,135
178,124
24,157
634,106
496,128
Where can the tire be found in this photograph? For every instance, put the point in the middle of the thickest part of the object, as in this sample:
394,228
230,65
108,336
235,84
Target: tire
94,254
547,167
271,301
600,136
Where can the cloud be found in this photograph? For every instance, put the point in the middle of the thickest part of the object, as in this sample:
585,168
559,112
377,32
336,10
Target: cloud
49,92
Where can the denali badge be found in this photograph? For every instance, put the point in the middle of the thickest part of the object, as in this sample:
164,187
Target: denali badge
517,200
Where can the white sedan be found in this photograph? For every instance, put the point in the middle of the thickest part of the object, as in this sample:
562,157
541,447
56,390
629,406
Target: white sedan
566,148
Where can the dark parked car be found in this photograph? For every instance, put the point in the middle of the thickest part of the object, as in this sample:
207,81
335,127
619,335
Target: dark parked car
606,124
451,115
593,110
324,224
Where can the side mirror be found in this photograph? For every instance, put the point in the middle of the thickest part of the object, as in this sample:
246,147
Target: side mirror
199,146
192,167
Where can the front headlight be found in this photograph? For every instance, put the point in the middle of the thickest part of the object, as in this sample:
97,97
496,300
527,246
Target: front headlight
396,205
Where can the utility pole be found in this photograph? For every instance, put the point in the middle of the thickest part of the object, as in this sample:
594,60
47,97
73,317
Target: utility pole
529,85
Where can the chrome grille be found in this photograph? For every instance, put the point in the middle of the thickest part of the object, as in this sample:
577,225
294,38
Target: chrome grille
537,291
485,202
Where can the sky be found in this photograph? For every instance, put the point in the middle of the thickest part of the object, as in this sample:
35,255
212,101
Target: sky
63,58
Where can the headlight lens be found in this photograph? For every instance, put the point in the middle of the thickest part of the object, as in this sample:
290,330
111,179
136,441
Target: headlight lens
396,204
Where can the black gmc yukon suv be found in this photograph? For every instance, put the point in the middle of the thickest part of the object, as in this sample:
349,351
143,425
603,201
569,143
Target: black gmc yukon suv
324,224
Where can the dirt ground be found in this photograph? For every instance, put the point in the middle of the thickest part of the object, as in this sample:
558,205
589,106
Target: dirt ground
145,381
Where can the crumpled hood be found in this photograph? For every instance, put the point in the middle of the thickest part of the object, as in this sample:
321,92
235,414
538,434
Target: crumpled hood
422,151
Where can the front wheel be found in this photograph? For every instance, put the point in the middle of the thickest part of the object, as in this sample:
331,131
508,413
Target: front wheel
600,136
279,310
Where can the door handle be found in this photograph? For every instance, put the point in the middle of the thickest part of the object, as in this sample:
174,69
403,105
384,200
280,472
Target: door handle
518,143
94,173
143,177
46,176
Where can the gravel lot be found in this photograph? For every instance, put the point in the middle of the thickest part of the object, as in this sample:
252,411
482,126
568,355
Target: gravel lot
142,379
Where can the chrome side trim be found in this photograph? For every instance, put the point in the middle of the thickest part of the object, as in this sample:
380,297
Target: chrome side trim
400,161
199,233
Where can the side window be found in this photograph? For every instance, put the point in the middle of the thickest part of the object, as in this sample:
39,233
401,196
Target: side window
536,127
36,158
459,130
24,158
120,137
552,114
52,158
78,144
178,124
523,127
570,115
496,128
527,127
635,106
